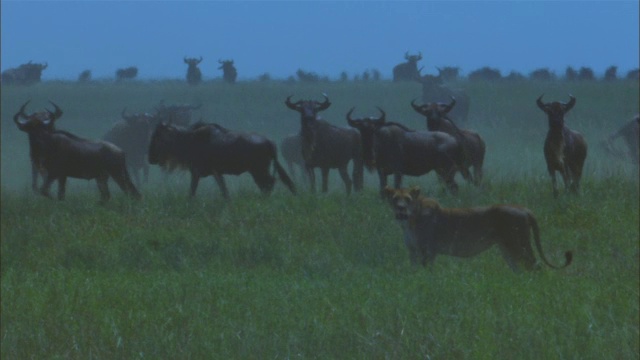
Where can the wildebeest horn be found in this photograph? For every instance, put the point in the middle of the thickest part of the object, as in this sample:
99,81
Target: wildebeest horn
419,55
415,107
383,115
541,105
21,113
350,121
200,60
570,104
185,60
325,104
45,66
448,108
58,112
291,105
406,55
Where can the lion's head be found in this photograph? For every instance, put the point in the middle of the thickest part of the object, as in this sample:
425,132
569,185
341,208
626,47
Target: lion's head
402,201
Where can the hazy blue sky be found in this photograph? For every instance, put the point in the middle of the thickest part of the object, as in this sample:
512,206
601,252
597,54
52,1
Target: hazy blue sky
323,37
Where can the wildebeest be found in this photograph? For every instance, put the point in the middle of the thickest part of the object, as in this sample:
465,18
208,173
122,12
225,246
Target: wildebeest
433,90
126,73
564,149
58,155
132,134
229,72
291,149
630,133
485,74
586,74
633,74
194,75
570,74
542,74
25,74
210,149
392,148
326,146
611,73
448,73
436,115
407,71
84,76
176,114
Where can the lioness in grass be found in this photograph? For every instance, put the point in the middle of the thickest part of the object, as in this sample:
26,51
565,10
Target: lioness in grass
430,230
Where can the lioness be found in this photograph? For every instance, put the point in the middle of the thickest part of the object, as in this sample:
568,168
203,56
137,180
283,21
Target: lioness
430,230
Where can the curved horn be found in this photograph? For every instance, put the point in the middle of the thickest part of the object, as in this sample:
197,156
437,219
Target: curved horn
185,60
20,113
448,108
325,104
58,112
350,121
44,66
383,115
290,105
200,60
570,104
415,107
406,55
419,55
541,105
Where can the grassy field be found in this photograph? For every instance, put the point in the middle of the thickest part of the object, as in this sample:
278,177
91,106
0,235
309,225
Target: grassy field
316,276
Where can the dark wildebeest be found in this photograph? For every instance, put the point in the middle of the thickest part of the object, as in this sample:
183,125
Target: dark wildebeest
326,146
59,155
132,134
542,74
84,76
633,74
485,74
25,74
564,149
126,73
586,74
194,75
449,73
392,148
436,115
229,72
291,149
630,133
611,73
176,114
433,90
570,74
407,71
210,149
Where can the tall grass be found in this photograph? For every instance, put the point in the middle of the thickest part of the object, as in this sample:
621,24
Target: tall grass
315,276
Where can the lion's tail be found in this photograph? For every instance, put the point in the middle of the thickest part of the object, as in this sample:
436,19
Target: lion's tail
568,255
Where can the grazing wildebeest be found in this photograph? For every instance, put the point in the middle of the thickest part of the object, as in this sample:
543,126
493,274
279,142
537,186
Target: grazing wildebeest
25,74
586,74
326,146
485,74
176,114
570,74
472,143
407,71
58,155
564,149
448,73
210,149
392,148
611,73
132,134
229,72
126,73
433,90
630,133
291,149
84,76
542,74
194,75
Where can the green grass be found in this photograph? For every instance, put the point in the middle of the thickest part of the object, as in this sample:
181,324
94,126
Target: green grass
316,276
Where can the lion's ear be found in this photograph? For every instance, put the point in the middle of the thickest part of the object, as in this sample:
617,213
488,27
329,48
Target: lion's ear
414,192
388,192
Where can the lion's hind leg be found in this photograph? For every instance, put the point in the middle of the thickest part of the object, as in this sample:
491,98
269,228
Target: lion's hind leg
515,246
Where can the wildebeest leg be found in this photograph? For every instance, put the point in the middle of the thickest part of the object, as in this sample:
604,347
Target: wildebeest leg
325,179
34,177
46,186
62,187
103,186
345,177
222,185
264,181
554,183
195,179
312,178
136,174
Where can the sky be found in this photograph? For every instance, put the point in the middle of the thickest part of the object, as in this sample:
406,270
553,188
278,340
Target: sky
324,37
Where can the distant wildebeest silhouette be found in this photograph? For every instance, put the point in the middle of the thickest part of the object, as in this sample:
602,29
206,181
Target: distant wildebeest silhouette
229,72
542,74
194,75
633,74
84,76
570,74
630,134
434,91
485,74
448,73
25,74
611,73
210,149
393,149
565,150
175,114
407,71
58,155
326,146
126,73
437,119
132,134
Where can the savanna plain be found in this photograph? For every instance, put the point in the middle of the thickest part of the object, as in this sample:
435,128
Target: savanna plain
316,275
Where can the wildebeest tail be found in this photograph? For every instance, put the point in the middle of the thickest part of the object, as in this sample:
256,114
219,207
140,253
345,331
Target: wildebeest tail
282,174
118,171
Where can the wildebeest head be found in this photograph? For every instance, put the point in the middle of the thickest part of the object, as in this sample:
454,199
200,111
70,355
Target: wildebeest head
413,59
43,120
139,123
162,141
194,76
435,112
556,110
229,72
308,109
24,74
367,127
176,114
